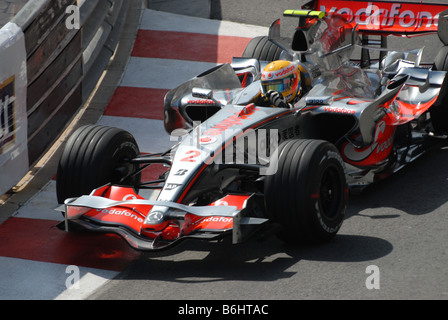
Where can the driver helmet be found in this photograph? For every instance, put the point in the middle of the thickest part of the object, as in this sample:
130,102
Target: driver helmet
282,76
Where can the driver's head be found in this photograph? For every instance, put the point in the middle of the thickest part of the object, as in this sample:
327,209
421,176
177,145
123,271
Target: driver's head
282,76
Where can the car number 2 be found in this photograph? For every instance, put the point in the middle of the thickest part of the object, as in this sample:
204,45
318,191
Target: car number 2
193,154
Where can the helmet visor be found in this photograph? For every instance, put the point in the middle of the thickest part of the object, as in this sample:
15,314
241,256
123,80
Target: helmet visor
279,85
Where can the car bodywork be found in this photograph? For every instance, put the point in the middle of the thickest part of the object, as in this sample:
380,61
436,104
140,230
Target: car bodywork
374,111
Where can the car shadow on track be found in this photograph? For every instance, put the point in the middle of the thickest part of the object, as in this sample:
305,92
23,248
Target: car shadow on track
418,189
267,260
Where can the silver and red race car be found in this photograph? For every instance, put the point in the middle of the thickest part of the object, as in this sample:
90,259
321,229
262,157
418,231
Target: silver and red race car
241,169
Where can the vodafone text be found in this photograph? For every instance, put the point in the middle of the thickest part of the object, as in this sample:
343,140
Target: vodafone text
398,12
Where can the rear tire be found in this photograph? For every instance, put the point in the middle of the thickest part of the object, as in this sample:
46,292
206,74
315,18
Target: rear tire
439,111
94,156
308,194
261,48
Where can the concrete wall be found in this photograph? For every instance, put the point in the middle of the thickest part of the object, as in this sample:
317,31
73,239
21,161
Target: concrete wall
64,60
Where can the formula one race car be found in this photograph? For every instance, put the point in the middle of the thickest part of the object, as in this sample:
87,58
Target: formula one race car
242,167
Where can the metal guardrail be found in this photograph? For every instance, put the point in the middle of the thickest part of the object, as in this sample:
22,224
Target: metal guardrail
64,64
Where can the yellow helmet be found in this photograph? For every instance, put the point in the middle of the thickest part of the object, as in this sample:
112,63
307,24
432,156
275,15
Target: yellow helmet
281,76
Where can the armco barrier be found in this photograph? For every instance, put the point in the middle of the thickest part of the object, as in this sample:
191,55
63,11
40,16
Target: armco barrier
64,62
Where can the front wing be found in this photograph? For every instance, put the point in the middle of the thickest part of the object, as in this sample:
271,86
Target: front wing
123,212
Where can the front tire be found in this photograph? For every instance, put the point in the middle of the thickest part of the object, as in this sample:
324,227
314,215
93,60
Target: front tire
308,193
94,156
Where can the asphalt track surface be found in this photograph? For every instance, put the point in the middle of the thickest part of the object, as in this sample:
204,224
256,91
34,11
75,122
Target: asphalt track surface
398,225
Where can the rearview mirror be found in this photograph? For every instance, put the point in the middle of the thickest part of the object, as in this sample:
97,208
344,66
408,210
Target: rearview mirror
202,93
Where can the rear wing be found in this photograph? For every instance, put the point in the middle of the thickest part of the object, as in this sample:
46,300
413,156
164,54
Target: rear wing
411,17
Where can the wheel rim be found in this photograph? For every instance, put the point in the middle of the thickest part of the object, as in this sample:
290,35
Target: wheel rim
122,171
331,193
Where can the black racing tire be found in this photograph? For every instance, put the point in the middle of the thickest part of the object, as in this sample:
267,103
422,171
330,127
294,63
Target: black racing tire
441,60
443,27
93,156
439,111
308,194
261,48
